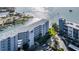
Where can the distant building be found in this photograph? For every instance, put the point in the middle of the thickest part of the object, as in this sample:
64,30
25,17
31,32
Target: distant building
5,11
71,31
4,14
15,37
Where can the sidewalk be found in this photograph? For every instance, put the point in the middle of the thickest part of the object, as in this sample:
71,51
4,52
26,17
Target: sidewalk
61,43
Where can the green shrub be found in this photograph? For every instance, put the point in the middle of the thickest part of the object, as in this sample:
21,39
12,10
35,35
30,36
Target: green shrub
52,32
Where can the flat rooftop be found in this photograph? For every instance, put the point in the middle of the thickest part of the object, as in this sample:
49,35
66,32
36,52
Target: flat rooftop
27,26
73,25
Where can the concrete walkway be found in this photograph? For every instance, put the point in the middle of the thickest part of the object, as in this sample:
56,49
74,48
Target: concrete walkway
61,43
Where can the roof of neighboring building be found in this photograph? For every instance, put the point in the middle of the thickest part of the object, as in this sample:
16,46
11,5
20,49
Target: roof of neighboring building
73,25
70,24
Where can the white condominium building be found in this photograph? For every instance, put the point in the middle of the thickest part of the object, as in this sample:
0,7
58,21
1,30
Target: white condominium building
14,37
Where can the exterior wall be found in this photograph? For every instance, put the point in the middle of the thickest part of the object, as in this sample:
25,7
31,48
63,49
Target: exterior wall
78,34
26,39
75,35
23,38
45,28
14,41
65,31
61,25
4,45
9,44
31,38
0,45
37,31
41,29
70,32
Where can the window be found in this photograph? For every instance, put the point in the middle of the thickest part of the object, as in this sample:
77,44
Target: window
3,45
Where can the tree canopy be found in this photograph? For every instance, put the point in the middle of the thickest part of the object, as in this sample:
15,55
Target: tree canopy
52,32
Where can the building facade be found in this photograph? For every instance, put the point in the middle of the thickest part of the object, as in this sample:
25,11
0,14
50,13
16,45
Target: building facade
7,9
15,37
70,31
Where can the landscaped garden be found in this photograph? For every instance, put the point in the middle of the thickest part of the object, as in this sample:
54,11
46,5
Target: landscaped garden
53,32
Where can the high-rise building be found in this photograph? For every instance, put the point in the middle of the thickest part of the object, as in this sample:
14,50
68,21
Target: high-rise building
70,31
16,36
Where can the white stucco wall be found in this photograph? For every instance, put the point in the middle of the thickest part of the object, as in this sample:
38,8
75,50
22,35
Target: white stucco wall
70,32
31,38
